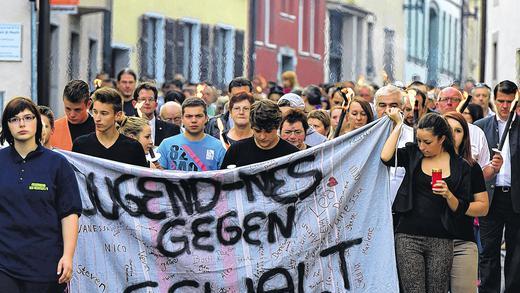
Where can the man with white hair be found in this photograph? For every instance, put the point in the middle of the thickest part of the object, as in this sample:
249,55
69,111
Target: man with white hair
481,93
171,112
293,101
387,97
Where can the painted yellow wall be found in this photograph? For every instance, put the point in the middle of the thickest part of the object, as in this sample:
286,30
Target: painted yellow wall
126,14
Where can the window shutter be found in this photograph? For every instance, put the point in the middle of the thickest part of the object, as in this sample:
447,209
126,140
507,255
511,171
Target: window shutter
217,56
169,34
178,50
143,46
205,52
239,53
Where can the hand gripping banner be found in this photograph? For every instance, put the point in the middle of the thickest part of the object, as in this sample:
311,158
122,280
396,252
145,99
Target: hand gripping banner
315,221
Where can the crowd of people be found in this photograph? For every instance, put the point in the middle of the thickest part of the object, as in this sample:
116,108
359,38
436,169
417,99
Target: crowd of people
449,227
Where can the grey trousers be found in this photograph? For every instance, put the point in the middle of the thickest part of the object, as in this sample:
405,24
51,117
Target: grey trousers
464,271
423,263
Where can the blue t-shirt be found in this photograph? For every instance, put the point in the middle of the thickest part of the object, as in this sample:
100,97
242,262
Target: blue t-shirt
179,153
35,194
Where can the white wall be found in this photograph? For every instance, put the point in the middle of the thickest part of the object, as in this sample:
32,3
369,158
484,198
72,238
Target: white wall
502,26
15,77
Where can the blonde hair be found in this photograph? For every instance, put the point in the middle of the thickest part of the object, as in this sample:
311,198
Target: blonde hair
291,76
132,126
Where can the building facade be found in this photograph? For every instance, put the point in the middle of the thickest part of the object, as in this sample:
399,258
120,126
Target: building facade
76,42
202,40
502,42
290,36
15,61
434,38
365,41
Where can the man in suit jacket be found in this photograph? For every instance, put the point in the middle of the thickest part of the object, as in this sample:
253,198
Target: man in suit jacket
504,196
145,100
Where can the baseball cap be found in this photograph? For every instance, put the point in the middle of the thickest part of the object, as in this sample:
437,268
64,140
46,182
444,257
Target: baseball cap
291,100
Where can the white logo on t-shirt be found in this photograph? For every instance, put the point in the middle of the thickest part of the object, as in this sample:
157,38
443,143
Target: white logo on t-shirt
210,154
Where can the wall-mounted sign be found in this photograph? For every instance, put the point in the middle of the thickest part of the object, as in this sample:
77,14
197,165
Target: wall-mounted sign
64,6
10,42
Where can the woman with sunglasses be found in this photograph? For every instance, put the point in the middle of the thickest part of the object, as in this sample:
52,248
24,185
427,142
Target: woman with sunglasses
39,206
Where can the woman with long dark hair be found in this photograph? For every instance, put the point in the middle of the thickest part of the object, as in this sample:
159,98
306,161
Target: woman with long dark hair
39,206
464,272
428,204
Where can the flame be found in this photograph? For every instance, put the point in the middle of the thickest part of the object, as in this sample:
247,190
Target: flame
411,97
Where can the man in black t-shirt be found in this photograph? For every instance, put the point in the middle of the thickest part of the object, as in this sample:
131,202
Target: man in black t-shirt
77,120
106,142
265,144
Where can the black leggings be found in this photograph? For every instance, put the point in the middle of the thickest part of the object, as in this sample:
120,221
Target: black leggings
13,285
424,263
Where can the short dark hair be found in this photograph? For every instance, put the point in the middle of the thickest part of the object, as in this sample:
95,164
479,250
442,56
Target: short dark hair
111,96
126,71
76,91
194,102
47,112
146,86
239,98
475,111
506,87
175,82
293,116
240,81
175,96
265,115
15,106
313,95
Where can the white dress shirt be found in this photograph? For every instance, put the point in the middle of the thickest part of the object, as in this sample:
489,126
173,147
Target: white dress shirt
479,145
504,175
152,127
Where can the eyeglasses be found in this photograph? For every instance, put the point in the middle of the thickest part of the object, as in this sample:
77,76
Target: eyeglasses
17,120
150,100
453,100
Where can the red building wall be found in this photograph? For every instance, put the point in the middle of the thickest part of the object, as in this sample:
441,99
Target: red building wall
283,21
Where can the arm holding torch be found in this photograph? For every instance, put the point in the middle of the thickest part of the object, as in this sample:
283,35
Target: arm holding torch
347,94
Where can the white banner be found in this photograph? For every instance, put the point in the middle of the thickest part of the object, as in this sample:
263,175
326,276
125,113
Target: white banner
315,221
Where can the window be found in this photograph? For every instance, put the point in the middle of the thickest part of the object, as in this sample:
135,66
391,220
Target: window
518,64
73,69
120,59
336,47
371,70
2,94
92,61
388,55
55,90
288,8
287,63
223,45
495,58
151,48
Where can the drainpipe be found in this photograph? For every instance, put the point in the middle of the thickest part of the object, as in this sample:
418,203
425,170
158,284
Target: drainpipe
252,38
462,41
44,51
483,28
107,39
34,52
